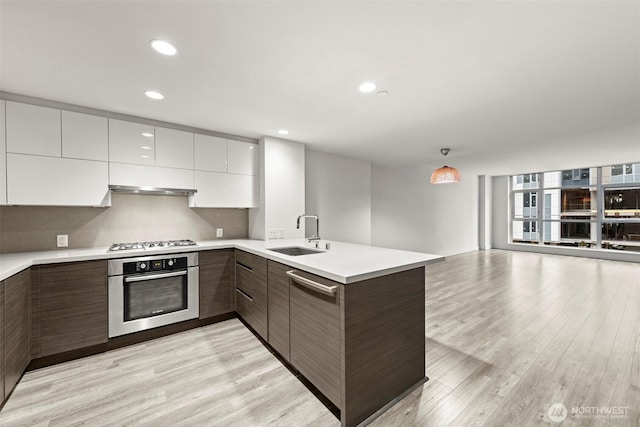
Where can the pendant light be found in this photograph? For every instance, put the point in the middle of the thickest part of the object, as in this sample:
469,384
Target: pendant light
445,174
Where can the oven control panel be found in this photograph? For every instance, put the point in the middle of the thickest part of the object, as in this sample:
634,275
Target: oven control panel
162,264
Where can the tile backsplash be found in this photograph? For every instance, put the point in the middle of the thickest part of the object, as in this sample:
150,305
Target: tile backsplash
131,218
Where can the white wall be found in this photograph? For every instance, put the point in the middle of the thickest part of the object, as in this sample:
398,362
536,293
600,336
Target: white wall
281,176
338,190
410,213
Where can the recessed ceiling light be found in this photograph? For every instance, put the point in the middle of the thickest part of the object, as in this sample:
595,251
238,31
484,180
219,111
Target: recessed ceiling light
145,157
367,87
283,132
154,95
147,134
163,47
382,93
145,147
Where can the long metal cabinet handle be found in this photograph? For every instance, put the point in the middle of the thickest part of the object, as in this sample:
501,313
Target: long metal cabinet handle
329,290
241,265
154,276
244,294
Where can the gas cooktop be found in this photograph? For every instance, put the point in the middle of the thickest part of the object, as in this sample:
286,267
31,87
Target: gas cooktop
150,245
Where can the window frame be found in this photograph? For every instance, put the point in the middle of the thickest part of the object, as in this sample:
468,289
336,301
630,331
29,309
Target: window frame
596,222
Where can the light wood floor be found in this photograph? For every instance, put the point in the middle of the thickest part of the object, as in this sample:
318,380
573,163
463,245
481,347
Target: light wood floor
508,334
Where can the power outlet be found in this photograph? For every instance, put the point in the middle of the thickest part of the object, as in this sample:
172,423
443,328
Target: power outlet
62,240
219,232
281,233
272,234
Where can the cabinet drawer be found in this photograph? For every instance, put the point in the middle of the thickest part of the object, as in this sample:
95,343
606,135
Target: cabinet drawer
244,279
253,310
245,258
245,306
251,291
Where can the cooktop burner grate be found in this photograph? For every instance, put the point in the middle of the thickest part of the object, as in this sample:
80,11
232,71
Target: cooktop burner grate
150,245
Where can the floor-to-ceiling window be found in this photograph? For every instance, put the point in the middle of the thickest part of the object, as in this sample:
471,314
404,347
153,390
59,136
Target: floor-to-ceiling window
596,207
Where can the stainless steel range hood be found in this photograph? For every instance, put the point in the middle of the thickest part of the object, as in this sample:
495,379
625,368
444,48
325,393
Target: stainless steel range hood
153,190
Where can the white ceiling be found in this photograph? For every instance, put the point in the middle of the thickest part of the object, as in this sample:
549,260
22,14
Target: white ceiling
492,80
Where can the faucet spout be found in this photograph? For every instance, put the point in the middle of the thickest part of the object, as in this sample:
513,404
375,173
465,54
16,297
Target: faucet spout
315,236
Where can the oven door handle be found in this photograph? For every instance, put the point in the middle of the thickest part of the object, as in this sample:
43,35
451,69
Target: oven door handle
154,276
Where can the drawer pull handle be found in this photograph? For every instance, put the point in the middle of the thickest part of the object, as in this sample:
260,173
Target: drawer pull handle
244,294
329,290
239,264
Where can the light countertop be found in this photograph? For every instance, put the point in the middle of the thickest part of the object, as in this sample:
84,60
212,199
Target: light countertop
344,262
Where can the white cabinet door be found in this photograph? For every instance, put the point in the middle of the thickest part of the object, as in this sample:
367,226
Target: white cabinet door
150,176
210,153
221,190
174,148
33,130
3,158
131,143
84,136
51,181
241,157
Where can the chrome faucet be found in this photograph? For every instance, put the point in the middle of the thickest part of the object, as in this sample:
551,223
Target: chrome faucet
315,236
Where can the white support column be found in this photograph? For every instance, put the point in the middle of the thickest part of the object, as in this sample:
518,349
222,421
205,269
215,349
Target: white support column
484,212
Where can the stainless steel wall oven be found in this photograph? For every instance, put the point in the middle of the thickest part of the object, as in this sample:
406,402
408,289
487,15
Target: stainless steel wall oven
151,291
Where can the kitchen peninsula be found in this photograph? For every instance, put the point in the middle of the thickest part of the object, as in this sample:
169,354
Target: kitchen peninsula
350,319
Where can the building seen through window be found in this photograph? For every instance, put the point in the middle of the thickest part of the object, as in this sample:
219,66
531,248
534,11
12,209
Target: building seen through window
596,207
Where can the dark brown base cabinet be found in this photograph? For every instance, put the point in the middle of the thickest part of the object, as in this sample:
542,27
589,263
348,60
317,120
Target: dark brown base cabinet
382,324
216,282
315,335
70,307
251,291
361,344
16,329
278,307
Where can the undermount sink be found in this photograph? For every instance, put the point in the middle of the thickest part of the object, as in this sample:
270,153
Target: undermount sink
296,250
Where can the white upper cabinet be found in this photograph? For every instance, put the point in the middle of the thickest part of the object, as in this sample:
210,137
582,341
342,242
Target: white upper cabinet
51,181
84,136
33,130
52,157
174,148
131,143
3,158
224,190
241,157
210,153
150,176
